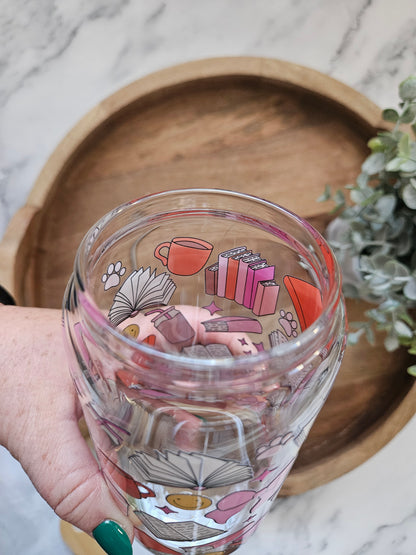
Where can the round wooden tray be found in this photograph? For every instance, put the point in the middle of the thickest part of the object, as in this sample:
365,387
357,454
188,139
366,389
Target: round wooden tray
255,125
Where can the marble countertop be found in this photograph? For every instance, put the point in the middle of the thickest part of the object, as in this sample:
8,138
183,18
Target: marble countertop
59,59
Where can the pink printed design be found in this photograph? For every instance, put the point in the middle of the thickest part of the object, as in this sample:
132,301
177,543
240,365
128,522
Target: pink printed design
233,324
265,301
288,323
235,502
173,325
223,269
244,277
274,446
240,288
212,308
231,505
257,272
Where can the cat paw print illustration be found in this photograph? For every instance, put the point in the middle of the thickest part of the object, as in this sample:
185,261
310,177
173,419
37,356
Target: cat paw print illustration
112,277
288,323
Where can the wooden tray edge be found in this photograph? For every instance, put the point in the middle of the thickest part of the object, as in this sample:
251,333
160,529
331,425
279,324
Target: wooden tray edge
13,248
275,70
366,446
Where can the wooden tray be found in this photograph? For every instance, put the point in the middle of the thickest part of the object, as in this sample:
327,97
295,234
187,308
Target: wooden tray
255,125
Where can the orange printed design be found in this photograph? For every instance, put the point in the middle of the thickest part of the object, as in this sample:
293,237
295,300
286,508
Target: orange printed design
306,300
188,501
184,256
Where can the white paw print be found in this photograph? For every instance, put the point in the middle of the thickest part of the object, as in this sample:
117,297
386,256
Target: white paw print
113,275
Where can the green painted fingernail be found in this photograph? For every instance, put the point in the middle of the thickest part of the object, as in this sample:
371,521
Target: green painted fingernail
112,538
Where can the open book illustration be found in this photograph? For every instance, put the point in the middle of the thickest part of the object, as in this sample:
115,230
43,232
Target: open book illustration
142,289
189,470
177,531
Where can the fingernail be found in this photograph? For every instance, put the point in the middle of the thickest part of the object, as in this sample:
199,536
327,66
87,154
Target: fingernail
112,538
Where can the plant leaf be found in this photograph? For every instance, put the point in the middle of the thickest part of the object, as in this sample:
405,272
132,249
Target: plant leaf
391,343
389,114
410,289
407,88
402,329
374,163
412,370
409,114
326,195
394,165
409,196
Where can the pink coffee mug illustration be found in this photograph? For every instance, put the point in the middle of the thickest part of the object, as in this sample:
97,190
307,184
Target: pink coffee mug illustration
184,256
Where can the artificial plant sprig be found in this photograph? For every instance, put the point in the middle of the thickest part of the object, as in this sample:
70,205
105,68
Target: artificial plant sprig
374,235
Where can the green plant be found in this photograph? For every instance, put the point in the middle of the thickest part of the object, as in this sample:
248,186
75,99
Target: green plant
374,235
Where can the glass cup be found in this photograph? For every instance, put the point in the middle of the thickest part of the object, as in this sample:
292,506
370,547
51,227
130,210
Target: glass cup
204,331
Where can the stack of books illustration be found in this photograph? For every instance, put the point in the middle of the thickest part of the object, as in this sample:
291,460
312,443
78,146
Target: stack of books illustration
245,277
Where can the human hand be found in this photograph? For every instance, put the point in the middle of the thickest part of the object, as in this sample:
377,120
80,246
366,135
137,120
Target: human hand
39,413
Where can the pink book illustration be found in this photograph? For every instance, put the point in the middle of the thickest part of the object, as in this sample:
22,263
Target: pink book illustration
223,259
211,279
256,272
265,300
233,323
242,275
232,273
212,350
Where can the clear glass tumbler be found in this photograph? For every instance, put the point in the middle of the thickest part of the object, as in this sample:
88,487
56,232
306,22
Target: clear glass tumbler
204,330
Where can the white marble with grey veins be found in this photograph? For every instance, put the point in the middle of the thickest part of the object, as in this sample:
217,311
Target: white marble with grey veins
59,58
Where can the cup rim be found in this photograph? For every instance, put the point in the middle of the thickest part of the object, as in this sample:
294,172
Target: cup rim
307,337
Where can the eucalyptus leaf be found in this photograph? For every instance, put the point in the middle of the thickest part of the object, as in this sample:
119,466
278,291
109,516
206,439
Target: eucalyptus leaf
394,165
412,370
374,163
385,206
408,166
410,289
326,195
391,343
402,329
389,114
409,114
407,88
409,196
404,146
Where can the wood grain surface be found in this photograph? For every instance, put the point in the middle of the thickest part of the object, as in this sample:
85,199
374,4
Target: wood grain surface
259,126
